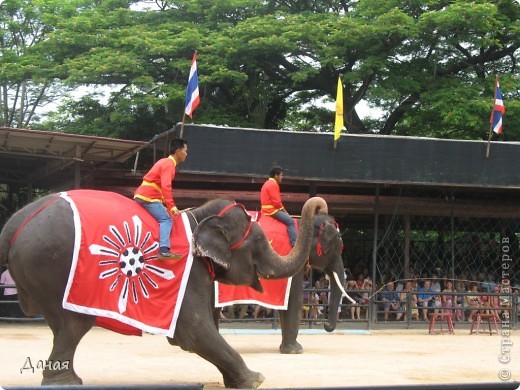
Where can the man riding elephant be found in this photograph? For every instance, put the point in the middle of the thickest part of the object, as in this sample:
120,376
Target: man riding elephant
271,202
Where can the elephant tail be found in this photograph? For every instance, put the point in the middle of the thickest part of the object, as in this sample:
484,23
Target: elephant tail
6,237
4,248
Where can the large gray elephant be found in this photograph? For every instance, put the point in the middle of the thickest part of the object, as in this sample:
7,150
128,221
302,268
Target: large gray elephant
37,244
325,255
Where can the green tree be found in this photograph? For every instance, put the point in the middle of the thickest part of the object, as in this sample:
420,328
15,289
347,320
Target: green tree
25,75
428,66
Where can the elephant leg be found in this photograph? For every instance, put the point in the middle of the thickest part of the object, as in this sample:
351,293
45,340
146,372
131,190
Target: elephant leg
290,318
196,332
68,329
207,342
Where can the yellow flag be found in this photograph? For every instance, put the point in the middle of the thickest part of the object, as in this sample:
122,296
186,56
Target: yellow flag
339,124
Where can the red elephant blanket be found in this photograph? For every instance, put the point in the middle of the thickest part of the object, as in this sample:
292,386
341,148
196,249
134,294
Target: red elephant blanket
276,291
115,274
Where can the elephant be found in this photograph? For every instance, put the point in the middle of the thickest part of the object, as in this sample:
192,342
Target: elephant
37,245
325,255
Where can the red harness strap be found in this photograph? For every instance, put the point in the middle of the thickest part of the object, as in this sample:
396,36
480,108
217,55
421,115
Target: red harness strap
319,247
15,236
209,263
248,230
210,267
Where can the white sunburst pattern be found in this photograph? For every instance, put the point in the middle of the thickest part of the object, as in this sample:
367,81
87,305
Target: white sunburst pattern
127,258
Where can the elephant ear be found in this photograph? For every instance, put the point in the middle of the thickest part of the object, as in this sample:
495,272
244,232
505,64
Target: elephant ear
210,240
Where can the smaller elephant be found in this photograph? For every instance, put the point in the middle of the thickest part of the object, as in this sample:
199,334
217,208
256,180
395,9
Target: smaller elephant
325,255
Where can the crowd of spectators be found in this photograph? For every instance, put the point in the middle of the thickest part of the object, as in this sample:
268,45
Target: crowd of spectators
395,299
423,296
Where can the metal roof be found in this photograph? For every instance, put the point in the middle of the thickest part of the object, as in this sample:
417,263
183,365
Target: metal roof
47,159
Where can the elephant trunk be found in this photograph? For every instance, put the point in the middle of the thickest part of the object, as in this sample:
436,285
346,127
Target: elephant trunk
337,281
278,267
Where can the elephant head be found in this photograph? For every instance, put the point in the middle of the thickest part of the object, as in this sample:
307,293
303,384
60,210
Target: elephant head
240,251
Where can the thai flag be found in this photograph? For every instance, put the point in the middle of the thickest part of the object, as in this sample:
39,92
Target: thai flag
192,92
498,110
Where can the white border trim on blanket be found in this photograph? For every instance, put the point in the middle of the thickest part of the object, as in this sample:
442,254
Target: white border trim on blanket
254,301
185,276
113,315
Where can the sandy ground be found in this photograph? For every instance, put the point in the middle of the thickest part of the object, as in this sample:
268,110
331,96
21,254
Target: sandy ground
381,357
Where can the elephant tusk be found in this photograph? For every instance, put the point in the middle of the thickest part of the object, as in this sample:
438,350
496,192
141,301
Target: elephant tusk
336,278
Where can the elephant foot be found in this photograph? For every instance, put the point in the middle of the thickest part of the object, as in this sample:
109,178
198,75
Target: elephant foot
293,348
60,377
250,381
329,327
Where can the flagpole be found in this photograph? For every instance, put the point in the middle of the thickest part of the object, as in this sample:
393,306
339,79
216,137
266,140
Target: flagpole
492,116
182,124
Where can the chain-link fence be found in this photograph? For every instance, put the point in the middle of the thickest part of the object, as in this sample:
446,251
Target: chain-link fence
447,235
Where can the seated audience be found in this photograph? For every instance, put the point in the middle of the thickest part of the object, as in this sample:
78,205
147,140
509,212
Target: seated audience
425,299
495,302
449,302
472,300
390,300
403,307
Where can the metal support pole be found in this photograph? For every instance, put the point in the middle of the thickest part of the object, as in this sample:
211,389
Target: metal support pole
374,256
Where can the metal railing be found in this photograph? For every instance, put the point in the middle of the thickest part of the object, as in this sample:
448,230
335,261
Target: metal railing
507,312
372,310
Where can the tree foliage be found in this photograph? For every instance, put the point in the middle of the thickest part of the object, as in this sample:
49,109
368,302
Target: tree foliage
428,66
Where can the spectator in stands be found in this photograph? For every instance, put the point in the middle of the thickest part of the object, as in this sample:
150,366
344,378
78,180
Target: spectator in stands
488,282
361,298
425,299
306,294
399,285
460,287
449,302
367,286
403,300
359,284
390,300
484,301
472,300
447,299
437,303
495,302
355,309
262,312
435,283
315,308
9,294
360,281
243,311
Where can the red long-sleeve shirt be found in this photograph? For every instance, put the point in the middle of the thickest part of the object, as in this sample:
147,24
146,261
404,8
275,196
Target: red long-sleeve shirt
270,197
157,183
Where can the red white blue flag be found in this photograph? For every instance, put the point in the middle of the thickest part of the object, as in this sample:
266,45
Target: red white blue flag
498,110
192,92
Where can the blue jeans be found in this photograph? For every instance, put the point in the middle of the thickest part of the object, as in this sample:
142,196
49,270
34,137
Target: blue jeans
159,212
285,218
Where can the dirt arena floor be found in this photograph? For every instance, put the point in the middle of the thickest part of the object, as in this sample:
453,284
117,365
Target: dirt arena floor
345,358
